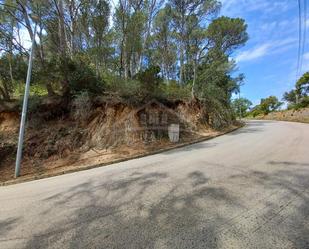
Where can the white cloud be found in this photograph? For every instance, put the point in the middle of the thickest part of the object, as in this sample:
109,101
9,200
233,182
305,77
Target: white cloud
265,49
237,7
253,54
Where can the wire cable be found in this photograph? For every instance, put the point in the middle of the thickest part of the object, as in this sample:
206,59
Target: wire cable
304,37
299,38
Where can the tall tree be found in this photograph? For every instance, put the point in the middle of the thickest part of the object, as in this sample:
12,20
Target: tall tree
163,46
181,12
241,106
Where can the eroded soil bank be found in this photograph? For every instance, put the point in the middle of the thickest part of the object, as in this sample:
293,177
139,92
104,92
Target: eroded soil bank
98,132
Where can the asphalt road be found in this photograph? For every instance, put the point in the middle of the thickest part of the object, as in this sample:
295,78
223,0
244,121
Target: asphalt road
246,189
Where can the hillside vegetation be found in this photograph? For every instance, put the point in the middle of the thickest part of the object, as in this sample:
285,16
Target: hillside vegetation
94,64
144,50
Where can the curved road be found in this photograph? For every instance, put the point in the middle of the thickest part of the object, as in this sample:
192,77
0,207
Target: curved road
246,189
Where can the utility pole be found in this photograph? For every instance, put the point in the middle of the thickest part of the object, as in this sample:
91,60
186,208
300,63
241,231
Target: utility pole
24,110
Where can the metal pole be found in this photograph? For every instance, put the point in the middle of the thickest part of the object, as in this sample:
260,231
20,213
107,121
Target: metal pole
24,110
240,112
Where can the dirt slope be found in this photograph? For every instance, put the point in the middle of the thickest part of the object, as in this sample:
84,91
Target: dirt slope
96,132
301,115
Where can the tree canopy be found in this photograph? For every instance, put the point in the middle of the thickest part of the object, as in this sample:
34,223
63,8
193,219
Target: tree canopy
241,106
98,46
298,97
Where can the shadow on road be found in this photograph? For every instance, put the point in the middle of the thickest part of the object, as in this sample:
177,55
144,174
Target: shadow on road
136,218
7,225
146,210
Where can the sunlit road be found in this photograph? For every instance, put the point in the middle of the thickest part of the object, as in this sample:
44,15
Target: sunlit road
246,189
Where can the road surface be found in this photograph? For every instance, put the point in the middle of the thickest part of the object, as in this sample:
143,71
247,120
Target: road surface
246,189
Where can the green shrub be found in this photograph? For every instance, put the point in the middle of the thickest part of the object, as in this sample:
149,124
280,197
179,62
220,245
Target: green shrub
124,88
82,77
77,73
35,90
305,101
150,80
146,84
81,106
174,91
256,112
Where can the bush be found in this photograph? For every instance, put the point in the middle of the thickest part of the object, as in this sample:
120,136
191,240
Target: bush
81,106
35,90
256,112
270,104
219,114
305,101
174,91
82,77
146,84
124,88
150,80
78,74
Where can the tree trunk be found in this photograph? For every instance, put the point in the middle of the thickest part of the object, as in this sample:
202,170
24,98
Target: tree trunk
126,70
62,36
63,50
11,70
181,67
194,80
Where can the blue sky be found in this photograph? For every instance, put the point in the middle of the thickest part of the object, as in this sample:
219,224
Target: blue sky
269,59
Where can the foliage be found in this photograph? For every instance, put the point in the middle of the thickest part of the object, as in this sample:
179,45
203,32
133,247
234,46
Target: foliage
290,97
214,81
12,74
124,88
150,80
161,49
174,91
298,97
302,85
82,106
35,90
256,111
270,104
241,106
81,76
226,34
266,106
